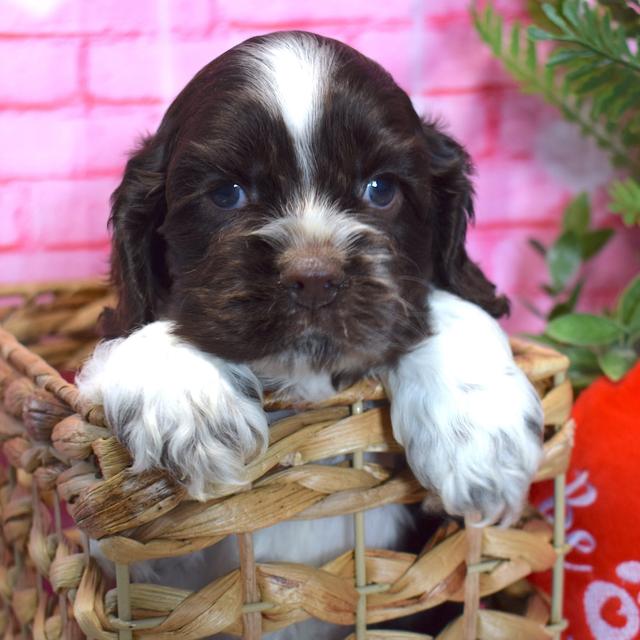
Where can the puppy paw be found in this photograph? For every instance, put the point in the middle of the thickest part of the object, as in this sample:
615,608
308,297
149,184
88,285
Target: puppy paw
470,421
178,408
480,447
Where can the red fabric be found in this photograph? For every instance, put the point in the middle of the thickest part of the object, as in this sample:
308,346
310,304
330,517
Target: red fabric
603,507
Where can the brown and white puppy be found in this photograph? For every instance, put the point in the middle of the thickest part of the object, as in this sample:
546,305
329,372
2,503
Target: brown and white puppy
293,222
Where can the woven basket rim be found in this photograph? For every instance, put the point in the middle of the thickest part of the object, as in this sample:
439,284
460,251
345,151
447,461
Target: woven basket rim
521,551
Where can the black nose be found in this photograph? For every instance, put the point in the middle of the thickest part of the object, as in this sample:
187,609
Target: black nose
312,285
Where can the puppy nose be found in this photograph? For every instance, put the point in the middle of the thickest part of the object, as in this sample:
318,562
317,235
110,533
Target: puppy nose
312,283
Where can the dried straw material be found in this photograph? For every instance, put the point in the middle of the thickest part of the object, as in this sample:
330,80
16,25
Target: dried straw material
60,456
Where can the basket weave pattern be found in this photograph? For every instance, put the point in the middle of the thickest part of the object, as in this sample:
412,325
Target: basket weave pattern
59,450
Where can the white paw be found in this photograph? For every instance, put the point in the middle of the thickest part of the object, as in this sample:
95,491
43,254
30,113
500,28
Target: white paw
481,453
470,421
178,408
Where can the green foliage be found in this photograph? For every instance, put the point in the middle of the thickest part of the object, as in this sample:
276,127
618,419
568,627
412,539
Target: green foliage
625,199
624,15
600,69
598,344
591,76
616,361
595,344
577,215
576,244
538,15
564,260
584,330
628,311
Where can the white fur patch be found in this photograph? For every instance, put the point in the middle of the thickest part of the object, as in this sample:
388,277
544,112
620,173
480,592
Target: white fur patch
469,419
314,220
296,76
293,69
174,405
292,377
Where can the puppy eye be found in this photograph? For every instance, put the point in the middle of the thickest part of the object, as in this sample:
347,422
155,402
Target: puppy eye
380,191
229,196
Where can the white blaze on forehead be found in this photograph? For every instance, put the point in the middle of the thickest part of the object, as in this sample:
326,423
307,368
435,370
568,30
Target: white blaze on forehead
297,79
293,69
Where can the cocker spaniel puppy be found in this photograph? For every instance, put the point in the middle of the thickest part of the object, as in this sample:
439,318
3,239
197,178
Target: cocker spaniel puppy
294,224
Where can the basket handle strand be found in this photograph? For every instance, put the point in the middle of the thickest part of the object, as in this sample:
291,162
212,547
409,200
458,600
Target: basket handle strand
251,622
473,535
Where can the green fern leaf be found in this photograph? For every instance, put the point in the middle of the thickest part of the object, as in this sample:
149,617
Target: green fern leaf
553,15
584,71
498,26
629,97
535,33
596,80
567,56
570,12
625,200
514,48
590,31
591,76
532,56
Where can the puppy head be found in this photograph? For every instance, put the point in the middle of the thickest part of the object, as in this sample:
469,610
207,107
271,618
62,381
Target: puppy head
293,204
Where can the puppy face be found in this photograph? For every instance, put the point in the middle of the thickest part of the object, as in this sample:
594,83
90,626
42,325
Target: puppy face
293,205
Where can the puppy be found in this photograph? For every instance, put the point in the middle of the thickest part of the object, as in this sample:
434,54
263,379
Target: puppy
294,223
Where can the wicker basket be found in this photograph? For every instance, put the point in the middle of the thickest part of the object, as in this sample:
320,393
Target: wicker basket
61,456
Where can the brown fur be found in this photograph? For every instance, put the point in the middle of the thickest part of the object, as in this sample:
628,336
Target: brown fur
176,255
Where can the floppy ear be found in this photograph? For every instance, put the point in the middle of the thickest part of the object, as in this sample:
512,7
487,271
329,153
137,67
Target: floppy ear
451,168
138,268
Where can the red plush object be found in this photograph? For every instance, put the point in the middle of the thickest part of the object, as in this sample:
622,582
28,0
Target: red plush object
603,513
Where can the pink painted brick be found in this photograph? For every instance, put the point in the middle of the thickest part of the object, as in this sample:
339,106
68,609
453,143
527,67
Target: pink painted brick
285,11
595,300
505,7
39,18
112,132
464,116
191,16
14,201
516,190
38,266
64,143
521,119
454,8
523,320
70,213
453,57
190,55
26,74
444,11
41,143
107,16
507,259
618,263
444,7
78,16
131,69
388,46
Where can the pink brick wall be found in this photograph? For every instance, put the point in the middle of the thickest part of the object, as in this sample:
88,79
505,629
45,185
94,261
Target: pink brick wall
80,81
